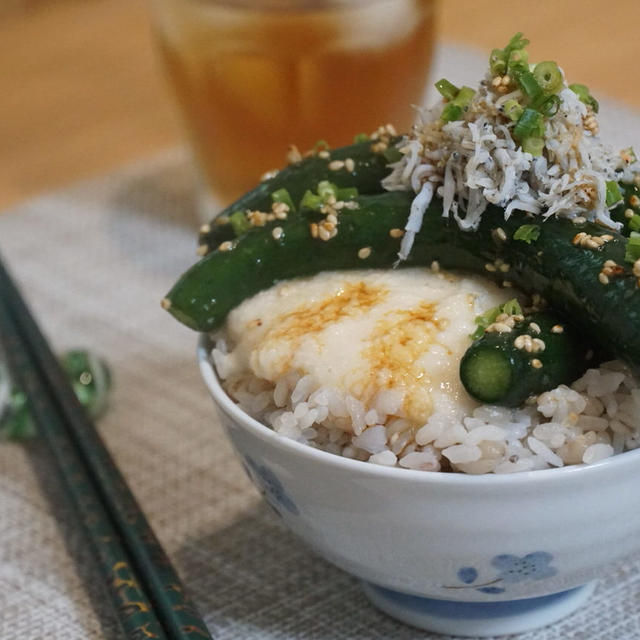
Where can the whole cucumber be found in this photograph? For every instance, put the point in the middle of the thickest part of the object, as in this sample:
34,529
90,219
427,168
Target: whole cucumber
579,269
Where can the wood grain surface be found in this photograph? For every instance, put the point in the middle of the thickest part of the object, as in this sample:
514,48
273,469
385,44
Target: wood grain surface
82,93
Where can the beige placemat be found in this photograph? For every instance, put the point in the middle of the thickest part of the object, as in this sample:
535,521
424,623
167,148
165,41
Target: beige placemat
93,262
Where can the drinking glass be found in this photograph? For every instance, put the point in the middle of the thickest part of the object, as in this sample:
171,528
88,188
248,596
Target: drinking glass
253,77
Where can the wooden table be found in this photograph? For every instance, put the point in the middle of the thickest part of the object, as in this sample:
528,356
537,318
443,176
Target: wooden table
82,92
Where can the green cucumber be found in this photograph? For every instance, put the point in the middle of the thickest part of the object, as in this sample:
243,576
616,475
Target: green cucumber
569,276
504,367
369,169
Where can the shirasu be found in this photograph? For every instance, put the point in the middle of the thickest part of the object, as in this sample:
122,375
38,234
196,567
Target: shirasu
473,162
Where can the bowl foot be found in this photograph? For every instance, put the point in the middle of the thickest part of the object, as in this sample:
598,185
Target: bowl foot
477,618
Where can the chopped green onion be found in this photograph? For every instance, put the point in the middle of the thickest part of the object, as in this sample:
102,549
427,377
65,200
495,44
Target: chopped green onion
534,146
464,97
361,137
634,223
447,90
510,307
347,193
513,110
392,154
517,42
327,189
632,250
498,62
527,233
282,195
530,125
530,86
613,195
548,76
550,106
517,62
451,112
511,59
239,222
321,145
582,91
311,201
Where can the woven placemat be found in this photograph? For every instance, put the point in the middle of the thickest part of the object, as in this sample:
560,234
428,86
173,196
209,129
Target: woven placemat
94,262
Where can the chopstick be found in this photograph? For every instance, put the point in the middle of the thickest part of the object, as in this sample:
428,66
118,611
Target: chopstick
148,595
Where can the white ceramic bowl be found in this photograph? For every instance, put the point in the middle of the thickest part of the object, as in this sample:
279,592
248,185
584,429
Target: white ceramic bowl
459,554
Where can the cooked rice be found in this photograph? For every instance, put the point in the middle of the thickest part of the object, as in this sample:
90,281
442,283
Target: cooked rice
597,417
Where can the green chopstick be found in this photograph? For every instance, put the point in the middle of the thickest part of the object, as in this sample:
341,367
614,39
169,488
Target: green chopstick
133,608
128,552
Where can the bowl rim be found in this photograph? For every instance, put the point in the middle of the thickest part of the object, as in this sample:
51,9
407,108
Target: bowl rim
268,435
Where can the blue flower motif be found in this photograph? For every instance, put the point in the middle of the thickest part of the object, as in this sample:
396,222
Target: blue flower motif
533,566
492,590
467,574
270,486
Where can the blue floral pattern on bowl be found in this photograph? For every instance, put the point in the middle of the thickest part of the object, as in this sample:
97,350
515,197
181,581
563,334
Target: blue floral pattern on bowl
512,569
270,486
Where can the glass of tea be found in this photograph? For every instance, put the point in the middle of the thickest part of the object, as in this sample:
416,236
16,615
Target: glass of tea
254,76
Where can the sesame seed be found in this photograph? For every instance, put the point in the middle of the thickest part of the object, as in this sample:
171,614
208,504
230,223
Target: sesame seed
221,220
536,364
379,147
507,284
603,278
579,220
293,155
535,327
202,250
165,303
490,267
324,234
205,228
636,268
520,342
349,165
332,218
628,213
324,154
227,245
278,207
609,263
396,233
336,165
538,345
634,201
435,266
557,328
364,253
499,234
277,233
313,228
499,327
505,267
